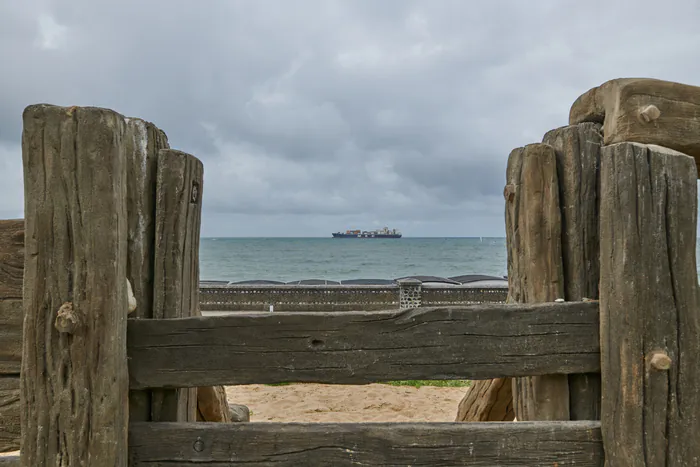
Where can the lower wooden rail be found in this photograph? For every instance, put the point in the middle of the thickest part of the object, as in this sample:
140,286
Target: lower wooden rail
9,461
376,444
473,342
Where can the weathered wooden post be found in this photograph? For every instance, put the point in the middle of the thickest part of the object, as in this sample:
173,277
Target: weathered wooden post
650,313
551,198
74,381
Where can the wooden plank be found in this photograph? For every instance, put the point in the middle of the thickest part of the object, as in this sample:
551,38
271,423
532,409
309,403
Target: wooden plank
9,461
650,311
535,265
11,258
74,377
176,269
143,140
10,363
376,444
10,336
9,413
479,341
644,110
577,149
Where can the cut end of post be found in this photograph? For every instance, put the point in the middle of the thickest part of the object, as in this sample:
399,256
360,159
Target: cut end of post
660,361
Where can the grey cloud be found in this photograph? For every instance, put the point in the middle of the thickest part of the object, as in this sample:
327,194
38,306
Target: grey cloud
325,114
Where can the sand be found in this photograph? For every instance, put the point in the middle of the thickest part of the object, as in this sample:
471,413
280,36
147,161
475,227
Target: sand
336,403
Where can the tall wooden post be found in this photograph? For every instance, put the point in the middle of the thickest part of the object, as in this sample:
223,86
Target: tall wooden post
577,148
552,201
535,269
74,381
178,209
650,314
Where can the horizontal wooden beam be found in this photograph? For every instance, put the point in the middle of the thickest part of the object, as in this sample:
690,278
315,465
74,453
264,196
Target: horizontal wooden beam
10,424
10,336
11,258
376,444
474,342
9,461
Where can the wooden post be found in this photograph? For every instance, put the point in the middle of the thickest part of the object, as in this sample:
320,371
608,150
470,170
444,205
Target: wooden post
489,401
535,268
577,148
143,141
650,315
556,191
74,381
176,272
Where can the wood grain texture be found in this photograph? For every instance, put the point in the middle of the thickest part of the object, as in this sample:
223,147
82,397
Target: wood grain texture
143,140
488,402
10,337
176,269
9,413
10,364
535,265
376,444
480,341
649,303
212,404
11,258
74,385
577,148
643,110
9,461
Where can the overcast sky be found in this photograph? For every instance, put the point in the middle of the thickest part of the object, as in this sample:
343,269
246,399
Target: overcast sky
317,116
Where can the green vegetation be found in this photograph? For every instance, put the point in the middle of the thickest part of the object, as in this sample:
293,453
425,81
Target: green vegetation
457,383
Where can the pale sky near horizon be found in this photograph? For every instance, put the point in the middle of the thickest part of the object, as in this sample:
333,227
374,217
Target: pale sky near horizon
317,116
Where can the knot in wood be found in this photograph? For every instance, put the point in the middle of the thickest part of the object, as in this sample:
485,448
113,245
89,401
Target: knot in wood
649,113
198,445
660,361
509,192
67,320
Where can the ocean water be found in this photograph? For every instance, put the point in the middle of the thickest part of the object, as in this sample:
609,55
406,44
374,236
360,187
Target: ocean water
290,259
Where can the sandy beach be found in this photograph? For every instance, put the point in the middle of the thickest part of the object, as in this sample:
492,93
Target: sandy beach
340,403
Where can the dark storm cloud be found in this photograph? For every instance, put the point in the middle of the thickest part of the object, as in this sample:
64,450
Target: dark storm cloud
319,115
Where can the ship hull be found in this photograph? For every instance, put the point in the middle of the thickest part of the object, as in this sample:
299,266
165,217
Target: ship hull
344,235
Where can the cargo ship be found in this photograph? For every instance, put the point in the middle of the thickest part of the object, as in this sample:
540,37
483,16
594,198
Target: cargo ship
383,233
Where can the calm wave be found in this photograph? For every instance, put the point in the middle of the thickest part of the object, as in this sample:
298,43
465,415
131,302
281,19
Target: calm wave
289,259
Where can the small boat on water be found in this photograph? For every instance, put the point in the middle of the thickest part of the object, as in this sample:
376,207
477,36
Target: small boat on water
383,233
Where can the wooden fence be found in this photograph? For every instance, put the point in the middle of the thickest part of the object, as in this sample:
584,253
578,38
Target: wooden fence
100,389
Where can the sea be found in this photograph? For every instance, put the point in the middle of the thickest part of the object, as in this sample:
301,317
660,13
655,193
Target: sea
292,259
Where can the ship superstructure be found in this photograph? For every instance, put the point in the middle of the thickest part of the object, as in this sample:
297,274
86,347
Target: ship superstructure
381,233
